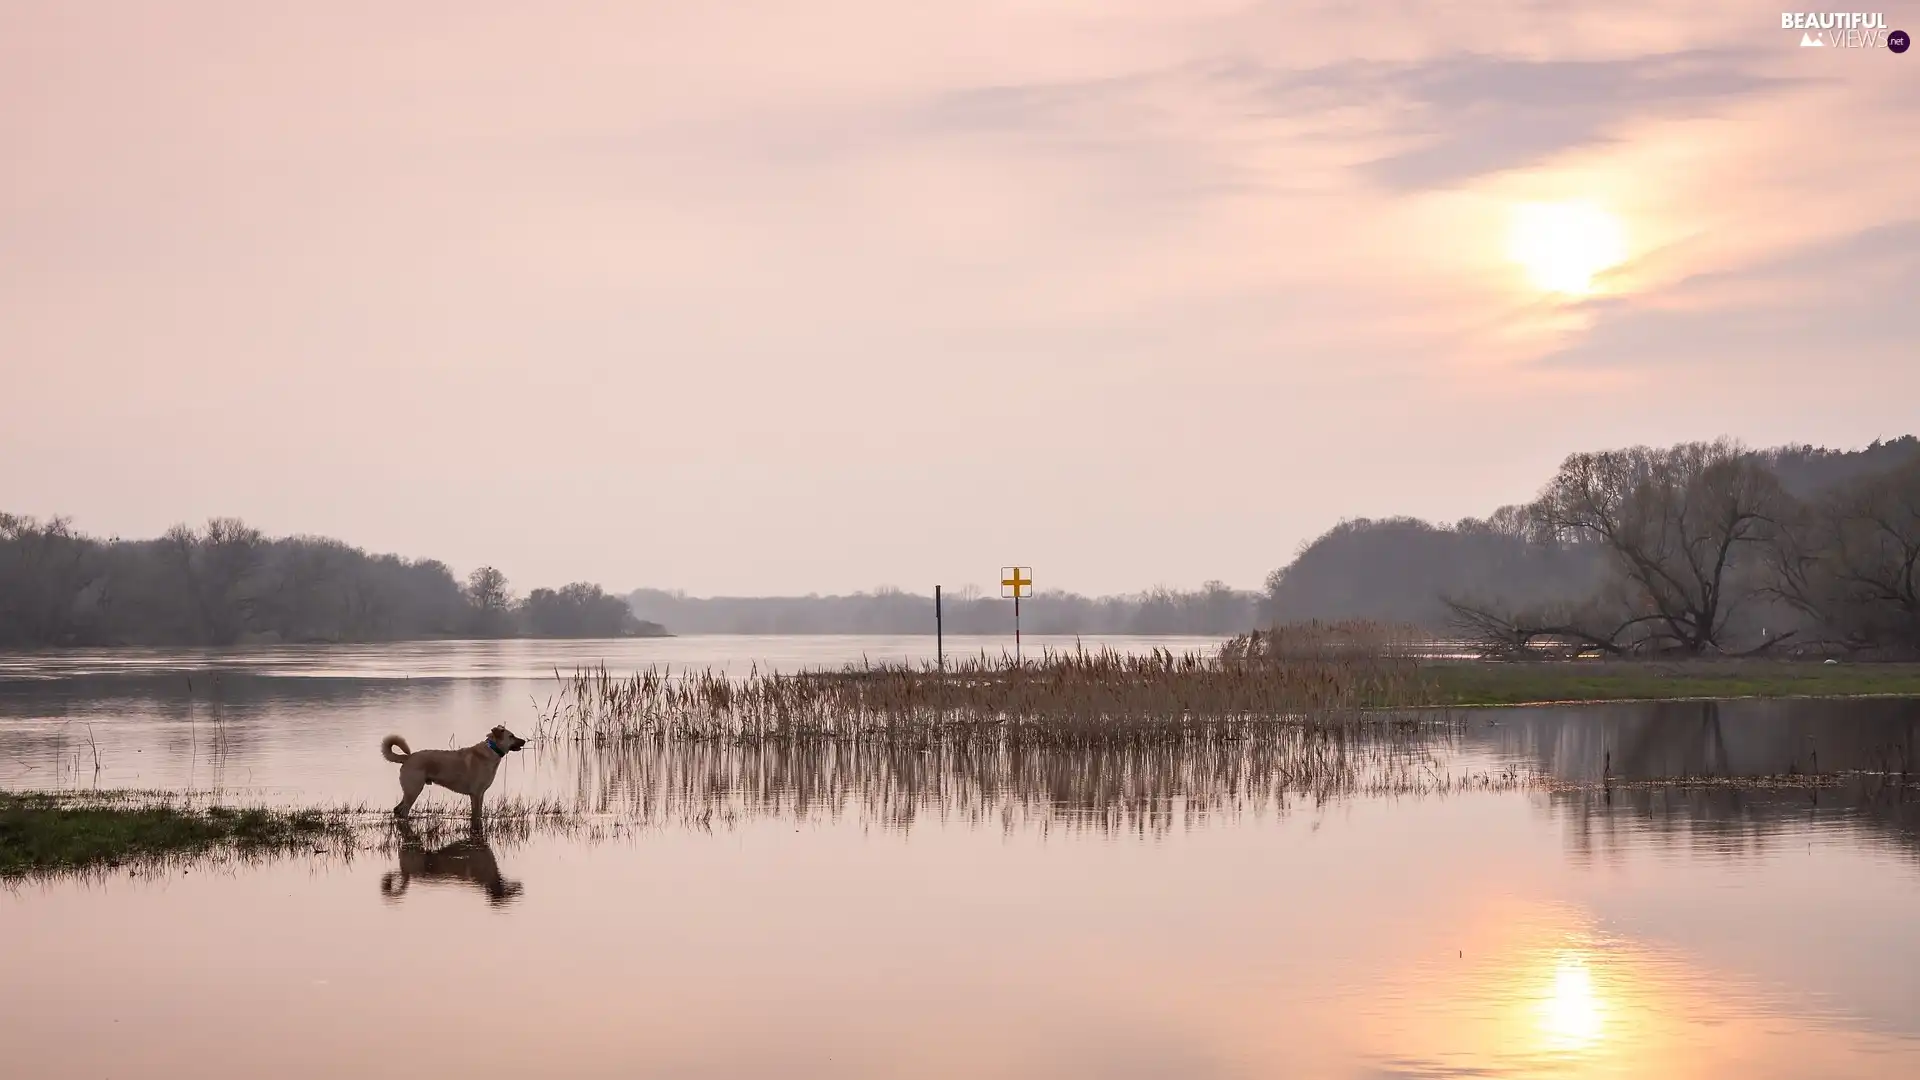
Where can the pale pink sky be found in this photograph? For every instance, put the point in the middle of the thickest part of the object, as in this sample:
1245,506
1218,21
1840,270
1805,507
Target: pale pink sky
779,297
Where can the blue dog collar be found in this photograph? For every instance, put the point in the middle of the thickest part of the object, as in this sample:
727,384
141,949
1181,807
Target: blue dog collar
497,751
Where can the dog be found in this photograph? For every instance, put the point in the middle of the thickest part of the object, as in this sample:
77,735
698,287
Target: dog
468,860
467,772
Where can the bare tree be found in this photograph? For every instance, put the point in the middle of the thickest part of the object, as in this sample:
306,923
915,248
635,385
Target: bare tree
1852,561
487,590
1559,631
491,603
214,570
1681,524
44,571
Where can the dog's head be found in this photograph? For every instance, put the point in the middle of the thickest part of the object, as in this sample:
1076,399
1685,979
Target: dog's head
504,740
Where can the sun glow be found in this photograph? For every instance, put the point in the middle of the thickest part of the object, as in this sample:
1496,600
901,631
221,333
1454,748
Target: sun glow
1563,245
1571,1012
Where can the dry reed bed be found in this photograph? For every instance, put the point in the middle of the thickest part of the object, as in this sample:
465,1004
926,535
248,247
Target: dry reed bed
1063,699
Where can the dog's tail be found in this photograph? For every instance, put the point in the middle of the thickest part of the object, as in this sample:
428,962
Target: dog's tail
386,748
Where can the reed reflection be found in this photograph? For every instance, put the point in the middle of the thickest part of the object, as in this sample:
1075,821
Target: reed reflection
1157,787
1146,789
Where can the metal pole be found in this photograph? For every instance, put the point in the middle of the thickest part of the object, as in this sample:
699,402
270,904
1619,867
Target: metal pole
939,634
1016,619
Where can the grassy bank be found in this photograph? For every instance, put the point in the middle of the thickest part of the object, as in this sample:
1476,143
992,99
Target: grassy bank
55,833
1465,683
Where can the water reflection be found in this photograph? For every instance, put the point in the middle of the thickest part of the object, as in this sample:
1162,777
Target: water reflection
1303,907
1729,821
1571,1013
1542,989
1703,739
1142,790
467,861
1155,791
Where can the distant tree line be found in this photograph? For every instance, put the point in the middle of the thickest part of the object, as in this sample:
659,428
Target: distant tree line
1212,609
1701,548
227,584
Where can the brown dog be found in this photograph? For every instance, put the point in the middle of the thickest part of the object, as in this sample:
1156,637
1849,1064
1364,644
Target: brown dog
467,772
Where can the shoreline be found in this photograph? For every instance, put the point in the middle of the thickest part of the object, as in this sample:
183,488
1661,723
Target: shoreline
1488,684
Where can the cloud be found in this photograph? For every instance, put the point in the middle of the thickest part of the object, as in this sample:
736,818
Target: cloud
1469,115
1823,303
1449,119
1420,1069
1124,132
1036,107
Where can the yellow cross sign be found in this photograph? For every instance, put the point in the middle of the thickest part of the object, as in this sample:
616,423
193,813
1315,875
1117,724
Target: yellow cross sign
1016,582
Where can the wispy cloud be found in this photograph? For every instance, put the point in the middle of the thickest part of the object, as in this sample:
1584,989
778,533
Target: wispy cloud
1830,304
1466,115
1451,119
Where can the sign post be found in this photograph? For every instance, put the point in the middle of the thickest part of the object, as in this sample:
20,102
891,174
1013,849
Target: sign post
1016,582
939,635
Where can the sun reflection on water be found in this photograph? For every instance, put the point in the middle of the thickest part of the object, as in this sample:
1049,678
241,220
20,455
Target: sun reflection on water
1572,1014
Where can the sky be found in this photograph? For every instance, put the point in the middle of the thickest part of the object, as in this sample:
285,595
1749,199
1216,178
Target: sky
766,297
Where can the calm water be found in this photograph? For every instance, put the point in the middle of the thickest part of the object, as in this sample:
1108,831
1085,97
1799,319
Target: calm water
729,912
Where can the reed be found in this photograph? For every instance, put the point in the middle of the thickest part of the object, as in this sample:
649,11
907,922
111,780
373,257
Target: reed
1064,699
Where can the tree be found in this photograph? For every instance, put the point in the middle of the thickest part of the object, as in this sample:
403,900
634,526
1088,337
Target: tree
227,583
487,590
1560,628
213,569
1681,525
1405,570
47,573
1851,561
578,610
492,604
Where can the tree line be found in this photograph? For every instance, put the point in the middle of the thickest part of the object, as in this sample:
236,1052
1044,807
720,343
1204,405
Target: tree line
227,584
1700,548
1213,609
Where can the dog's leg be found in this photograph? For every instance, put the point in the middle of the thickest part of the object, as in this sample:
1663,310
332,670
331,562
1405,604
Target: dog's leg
411,784
477,796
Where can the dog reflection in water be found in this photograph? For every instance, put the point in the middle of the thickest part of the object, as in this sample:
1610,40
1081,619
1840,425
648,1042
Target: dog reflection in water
467,860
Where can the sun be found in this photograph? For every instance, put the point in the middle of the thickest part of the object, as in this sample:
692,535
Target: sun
1563,245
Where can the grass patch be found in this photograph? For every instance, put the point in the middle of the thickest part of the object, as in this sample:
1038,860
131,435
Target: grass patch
58,833
1467,683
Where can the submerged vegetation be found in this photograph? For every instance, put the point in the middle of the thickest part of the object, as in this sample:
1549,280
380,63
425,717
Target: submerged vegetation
1035,774
54,832
1316,674
49,833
